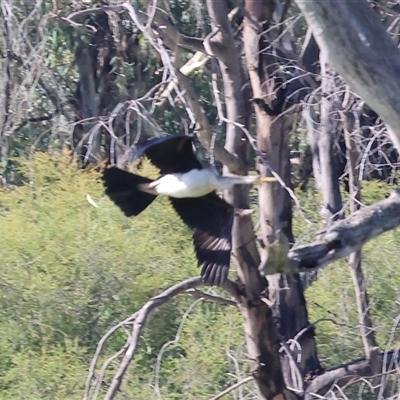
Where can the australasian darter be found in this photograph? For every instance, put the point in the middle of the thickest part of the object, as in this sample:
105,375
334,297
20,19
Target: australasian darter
191,188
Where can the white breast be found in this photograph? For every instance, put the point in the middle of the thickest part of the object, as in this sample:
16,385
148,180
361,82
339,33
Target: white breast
195,183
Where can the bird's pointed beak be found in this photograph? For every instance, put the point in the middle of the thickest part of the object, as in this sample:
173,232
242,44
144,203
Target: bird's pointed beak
264,179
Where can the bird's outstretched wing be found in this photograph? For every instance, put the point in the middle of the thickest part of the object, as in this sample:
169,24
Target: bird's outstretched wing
210,218
170,153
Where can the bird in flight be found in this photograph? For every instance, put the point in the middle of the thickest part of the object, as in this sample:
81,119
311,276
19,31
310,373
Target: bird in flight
191,189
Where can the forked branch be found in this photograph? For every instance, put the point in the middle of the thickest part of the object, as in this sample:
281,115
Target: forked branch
137,321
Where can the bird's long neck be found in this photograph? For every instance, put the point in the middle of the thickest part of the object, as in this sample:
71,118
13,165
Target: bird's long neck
227,182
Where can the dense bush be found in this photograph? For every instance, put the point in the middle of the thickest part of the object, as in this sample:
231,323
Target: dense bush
70,271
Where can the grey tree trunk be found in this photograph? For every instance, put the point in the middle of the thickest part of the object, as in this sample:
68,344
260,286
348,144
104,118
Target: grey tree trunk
361,51
261,339
328,133
86,138
285,292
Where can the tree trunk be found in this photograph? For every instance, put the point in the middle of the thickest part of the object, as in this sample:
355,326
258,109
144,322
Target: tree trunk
361,51
261,339
328,133
289,308
86,138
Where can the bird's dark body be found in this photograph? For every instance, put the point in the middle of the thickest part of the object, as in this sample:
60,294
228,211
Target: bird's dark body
208,217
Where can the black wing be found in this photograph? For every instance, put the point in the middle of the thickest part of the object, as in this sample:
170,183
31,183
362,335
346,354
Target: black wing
170,153
210,218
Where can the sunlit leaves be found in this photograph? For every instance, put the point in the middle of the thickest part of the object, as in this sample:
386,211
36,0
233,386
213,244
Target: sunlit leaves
70,271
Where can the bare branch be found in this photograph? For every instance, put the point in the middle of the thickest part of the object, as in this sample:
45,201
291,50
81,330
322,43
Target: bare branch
360,286
170,343
234,164
361,50
166,28
51,93
197,61
173,39
348,235
355,369
137,320
138,325
198,294
231,388
96,10
228,159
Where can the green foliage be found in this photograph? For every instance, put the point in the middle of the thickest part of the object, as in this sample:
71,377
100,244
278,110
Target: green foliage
70,271
374,190
332,300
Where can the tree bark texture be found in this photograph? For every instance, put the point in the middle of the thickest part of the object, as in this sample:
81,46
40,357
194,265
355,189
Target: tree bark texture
346,236
289,310
361,51
328,128
355,260
262,342
237,115
86,140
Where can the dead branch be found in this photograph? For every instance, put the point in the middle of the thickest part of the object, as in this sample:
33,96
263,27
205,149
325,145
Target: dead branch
355,260
205,136
137,320
96,10
197,61
165,27
199,294
346,236
347,372
360,50
173,342
47,88
231,388
173,39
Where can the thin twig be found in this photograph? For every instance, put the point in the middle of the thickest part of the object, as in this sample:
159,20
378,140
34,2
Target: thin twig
231,388
170,343
199,294
137,319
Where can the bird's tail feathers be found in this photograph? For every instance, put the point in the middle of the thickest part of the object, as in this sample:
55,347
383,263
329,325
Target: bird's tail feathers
122,188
